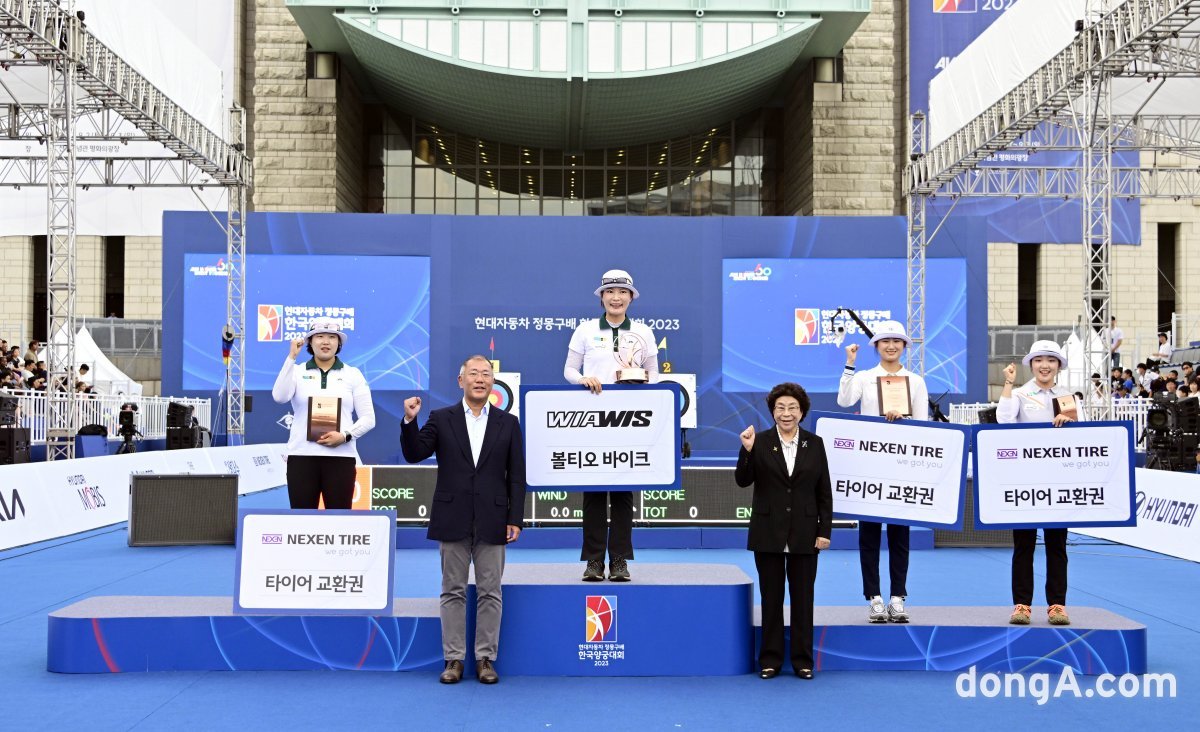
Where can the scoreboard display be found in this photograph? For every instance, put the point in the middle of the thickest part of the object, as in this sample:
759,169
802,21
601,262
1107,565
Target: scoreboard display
707,496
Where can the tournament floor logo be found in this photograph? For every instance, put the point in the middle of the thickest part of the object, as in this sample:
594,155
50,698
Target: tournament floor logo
601,615
807,322
270,322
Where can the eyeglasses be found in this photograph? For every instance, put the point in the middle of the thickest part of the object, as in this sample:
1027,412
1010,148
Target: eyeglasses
789,409
477,374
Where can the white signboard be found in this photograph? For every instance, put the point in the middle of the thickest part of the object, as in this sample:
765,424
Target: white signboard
302,562
625,438
1167,507
40,501
1034,476
903,472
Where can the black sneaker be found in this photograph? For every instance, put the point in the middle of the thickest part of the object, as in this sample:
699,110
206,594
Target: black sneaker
594,571
618,571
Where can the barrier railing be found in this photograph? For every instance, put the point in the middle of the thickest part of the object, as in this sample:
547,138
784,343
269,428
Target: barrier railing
102,409
1132,409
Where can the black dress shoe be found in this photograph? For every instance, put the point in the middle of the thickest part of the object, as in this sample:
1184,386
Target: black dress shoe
768,673
453,673
805,673
486,672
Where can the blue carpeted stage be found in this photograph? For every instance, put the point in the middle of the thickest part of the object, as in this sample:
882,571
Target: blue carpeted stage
947,585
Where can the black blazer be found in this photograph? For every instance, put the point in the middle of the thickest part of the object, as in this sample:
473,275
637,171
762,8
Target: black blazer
788,509
484,498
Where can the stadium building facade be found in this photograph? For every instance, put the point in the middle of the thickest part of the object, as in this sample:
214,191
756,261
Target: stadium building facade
613,107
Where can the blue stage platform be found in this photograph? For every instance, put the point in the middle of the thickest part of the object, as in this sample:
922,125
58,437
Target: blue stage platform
673,620
957,638
657,537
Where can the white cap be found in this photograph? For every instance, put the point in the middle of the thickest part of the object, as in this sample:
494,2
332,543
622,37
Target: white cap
325,325
614,278
1045,348
890,329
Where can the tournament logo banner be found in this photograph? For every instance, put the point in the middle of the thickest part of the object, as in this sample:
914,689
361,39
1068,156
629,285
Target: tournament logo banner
301,562
1033,476
903,472
625,438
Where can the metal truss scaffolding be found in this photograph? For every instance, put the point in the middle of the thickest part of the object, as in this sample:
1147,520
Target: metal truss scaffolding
112,93
1067,105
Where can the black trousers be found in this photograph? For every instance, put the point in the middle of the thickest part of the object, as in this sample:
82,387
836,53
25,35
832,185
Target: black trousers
1024,543
599,534
801,573
310,477
869,538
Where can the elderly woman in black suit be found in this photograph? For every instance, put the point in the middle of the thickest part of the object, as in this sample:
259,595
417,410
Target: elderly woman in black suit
790,523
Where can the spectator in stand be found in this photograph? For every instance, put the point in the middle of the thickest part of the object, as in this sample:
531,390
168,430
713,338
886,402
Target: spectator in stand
1193,387
34,348
1127,380
1115,337
1145,375
1189,372
85,373
1170,387
1182,392
1115,378
39,369
1164,348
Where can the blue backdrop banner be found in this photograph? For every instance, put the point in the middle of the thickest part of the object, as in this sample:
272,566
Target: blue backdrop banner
428,291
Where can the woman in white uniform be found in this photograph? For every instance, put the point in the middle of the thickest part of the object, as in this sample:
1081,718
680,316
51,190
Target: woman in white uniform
322,464
861,387
1032,402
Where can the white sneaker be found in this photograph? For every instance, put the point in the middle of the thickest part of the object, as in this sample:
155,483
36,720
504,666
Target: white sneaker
895,610
878,613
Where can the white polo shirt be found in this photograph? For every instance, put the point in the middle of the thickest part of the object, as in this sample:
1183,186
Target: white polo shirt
593,342
862,387
1031,403
298,381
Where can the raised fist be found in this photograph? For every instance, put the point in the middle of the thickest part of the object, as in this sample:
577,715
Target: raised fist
412,407
748,438
851,354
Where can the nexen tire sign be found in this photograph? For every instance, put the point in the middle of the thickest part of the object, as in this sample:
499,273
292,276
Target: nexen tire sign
624,438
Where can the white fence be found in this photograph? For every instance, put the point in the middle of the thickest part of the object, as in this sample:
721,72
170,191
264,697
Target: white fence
102,409
1131,409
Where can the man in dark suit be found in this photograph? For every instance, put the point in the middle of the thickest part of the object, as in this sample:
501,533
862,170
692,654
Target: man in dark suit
790,522
478,504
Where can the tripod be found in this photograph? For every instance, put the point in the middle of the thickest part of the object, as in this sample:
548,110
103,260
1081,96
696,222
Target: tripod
127,447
